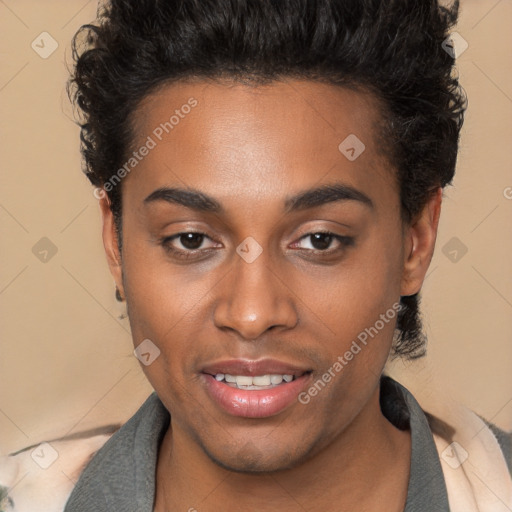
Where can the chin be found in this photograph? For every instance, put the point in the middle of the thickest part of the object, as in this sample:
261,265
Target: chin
250,459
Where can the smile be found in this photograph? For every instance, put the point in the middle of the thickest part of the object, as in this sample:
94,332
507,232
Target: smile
256,382
254,389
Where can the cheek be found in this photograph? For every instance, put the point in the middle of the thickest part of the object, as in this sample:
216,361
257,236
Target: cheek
359,303
362,287
163,305
362,325
159,294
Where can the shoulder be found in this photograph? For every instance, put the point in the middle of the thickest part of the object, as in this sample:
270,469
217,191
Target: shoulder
447,419
505,441
121,473
44,477
41,477
475,457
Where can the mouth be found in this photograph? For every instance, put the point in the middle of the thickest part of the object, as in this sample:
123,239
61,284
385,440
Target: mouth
256,382
254,389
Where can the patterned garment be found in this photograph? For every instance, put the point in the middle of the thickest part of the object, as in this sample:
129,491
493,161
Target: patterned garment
40,478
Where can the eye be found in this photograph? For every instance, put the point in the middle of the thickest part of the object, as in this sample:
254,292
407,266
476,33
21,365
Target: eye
188,244
323,241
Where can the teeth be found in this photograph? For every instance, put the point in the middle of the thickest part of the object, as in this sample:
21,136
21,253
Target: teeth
261,380
276,379
253,382
242,380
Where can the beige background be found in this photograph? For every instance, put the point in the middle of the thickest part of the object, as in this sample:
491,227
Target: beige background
66,360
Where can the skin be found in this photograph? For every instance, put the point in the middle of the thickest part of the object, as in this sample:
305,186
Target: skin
250,148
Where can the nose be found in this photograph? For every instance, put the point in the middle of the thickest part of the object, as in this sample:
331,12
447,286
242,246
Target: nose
253,299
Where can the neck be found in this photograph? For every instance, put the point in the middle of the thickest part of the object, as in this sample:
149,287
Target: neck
366,467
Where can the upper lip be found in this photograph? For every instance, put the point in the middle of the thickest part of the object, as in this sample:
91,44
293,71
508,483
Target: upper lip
252,368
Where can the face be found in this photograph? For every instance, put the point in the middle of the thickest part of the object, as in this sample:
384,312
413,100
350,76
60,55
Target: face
256,255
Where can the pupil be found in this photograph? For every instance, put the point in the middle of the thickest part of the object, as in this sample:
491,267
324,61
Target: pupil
192,240
321,241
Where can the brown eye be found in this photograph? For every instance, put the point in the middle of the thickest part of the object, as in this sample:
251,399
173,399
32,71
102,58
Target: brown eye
191,240
189,245
321,241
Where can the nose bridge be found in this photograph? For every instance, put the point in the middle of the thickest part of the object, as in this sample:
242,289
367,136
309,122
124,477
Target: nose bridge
255,299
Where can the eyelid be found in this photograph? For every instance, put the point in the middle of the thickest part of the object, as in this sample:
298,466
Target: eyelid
171,238
337,229
166,242
343,240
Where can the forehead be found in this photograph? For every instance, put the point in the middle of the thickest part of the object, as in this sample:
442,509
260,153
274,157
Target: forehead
238,140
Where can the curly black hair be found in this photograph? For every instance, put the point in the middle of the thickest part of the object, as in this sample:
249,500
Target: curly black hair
392,48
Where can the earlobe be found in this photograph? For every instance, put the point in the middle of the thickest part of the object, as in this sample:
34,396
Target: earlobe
420,239
110,243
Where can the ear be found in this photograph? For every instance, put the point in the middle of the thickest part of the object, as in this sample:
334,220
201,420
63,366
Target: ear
110,243
420,238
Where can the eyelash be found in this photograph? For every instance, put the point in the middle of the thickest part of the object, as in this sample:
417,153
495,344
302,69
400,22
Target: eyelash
180,253
166,242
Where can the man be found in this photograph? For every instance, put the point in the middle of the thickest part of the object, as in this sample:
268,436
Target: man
270,178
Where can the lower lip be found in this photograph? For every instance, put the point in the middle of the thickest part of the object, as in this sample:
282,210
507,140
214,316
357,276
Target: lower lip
260,403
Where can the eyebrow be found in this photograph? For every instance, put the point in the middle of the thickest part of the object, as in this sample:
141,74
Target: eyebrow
325,194
189,198
311,198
